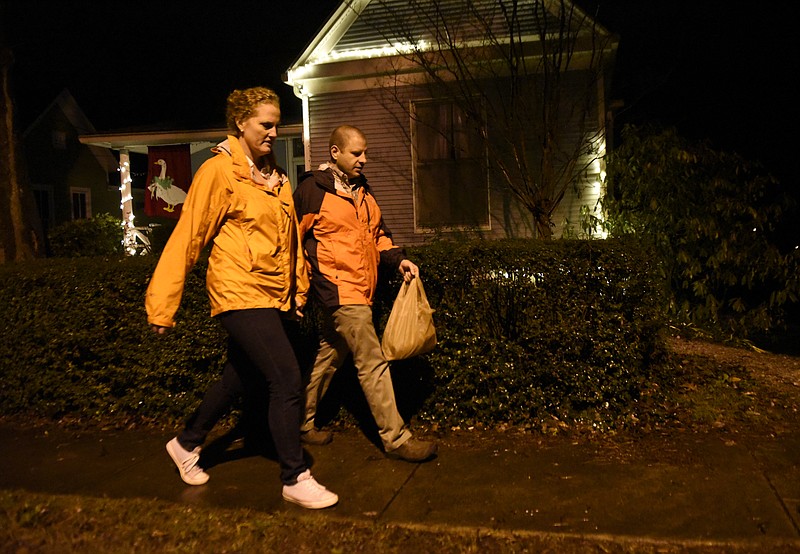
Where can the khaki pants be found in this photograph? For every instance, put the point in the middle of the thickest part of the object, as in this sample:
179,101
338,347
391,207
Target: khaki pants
350,329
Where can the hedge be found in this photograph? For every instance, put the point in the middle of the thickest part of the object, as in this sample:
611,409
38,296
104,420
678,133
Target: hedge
528,331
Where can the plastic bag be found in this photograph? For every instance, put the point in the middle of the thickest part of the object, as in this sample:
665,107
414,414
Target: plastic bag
410,330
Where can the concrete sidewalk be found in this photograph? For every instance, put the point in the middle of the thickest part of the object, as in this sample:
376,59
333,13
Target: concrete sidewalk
696,488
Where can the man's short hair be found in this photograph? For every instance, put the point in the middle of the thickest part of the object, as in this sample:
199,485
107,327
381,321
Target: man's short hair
342,134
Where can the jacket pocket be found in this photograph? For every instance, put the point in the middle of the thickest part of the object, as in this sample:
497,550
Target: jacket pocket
264,237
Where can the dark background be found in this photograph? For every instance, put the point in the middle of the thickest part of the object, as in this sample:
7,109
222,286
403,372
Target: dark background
145,64
722,70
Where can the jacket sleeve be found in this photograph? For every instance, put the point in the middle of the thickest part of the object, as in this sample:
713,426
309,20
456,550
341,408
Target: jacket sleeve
390,254
300,270
202,215
304,204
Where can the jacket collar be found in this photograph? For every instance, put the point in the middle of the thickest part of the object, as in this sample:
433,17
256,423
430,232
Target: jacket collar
243,167
326,179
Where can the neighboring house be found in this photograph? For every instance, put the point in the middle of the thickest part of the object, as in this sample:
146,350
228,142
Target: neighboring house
70,180
355,72
136,151
76,172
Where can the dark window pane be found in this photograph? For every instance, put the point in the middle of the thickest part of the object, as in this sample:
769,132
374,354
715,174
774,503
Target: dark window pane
451,181
78,205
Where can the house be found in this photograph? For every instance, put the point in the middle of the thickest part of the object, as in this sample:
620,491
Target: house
70,180
428,80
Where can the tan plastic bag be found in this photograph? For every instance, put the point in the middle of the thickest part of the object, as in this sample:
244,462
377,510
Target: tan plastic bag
410,330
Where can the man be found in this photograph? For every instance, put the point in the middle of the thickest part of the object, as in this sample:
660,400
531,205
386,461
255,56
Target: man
345,239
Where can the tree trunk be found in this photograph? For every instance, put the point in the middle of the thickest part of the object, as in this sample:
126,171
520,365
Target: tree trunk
20,228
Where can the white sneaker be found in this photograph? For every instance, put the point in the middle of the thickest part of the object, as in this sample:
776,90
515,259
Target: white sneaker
191,473
308,493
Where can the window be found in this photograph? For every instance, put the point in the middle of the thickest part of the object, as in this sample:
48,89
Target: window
295,162
451,184
81,203
298,148
59,139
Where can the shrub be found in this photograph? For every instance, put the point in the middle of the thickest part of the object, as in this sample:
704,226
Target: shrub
99,236
714,220
76,342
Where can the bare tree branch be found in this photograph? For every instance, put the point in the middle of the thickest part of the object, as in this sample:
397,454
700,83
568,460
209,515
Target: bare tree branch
526,73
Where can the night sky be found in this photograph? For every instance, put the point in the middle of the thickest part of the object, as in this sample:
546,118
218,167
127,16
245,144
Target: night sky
144,64
723,70
715,69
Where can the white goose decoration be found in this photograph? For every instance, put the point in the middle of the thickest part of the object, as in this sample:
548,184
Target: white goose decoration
163,188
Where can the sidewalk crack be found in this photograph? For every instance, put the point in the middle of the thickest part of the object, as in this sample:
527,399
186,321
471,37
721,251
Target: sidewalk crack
786,509
397,492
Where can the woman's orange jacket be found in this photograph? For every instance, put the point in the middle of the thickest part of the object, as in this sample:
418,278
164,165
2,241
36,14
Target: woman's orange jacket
256,260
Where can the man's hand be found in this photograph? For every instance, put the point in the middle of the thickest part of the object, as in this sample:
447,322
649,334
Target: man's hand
409,270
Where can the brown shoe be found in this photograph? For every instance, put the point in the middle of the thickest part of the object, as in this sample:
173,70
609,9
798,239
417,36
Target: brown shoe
414,451
317,437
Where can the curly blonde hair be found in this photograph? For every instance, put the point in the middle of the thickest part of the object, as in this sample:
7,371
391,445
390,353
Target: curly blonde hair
242,105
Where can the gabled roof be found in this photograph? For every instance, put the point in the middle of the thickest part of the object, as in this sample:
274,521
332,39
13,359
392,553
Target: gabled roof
68,106
371,29
71,110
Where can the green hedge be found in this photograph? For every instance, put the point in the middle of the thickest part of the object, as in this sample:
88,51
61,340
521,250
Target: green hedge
528,331
75,341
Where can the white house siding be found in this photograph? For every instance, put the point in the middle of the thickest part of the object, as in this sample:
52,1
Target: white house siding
567,217
584,193
386,123
356,46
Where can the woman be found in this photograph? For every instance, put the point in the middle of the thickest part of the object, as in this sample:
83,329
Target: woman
256,271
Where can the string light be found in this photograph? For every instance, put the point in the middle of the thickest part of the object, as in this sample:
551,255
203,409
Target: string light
126,205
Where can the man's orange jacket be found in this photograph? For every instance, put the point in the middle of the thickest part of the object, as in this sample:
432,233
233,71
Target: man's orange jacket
344,239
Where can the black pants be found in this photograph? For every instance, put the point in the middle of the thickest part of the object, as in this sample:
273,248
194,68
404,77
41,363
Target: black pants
258,350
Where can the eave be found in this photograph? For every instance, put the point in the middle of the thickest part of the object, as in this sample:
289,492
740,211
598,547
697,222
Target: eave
197,139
